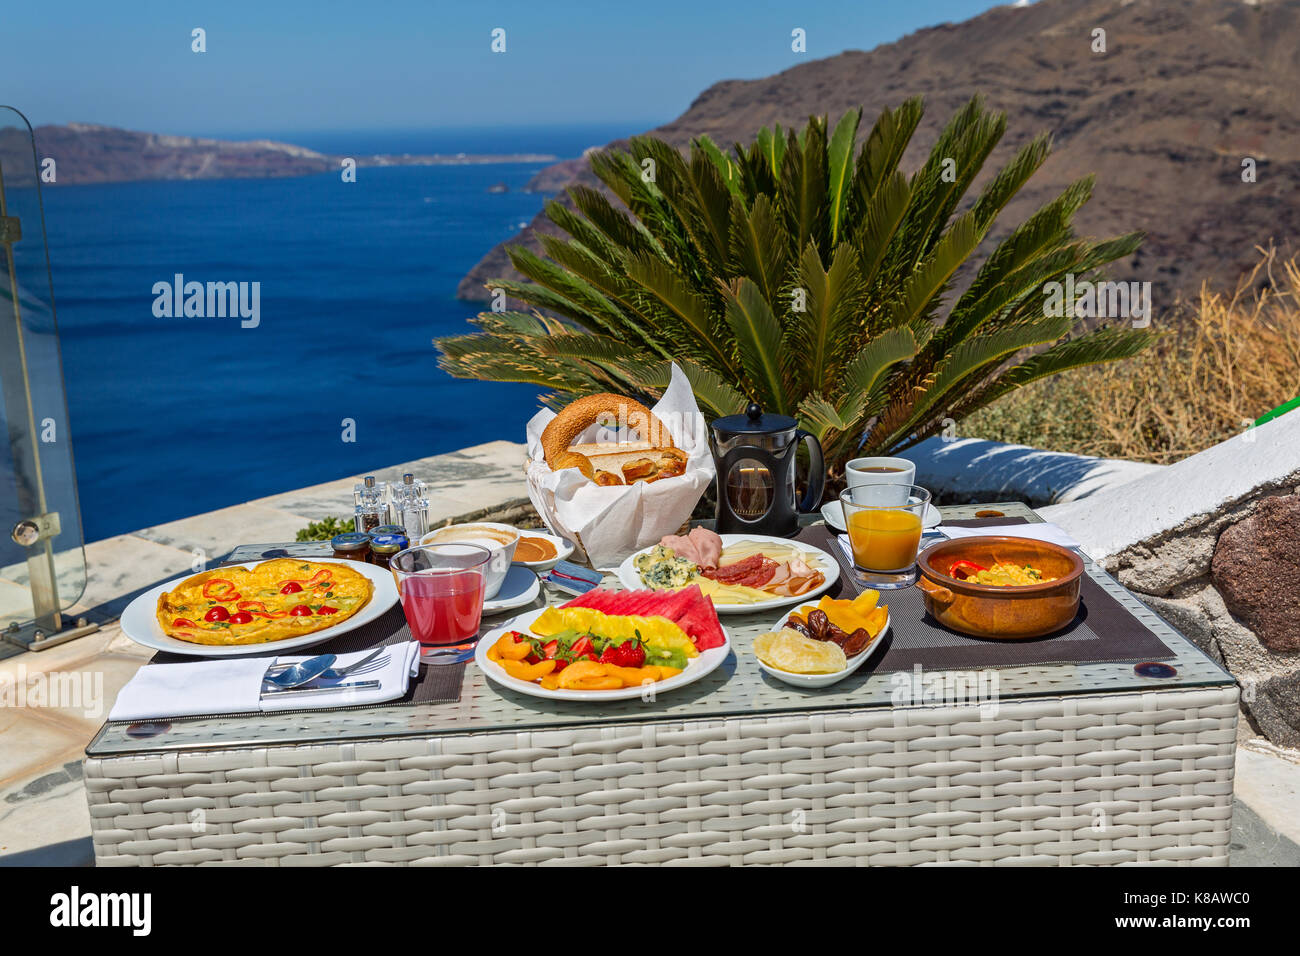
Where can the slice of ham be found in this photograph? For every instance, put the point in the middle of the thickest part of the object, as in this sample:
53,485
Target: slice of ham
794,586
709,545
701,547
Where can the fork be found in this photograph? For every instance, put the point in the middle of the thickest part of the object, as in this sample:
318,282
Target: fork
363,666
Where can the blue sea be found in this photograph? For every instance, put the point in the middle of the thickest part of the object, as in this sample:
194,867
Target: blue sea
174,416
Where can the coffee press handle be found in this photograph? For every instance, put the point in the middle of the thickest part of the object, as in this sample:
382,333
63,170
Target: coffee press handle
812,498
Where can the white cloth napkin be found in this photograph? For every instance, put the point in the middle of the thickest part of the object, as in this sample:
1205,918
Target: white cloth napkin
234,686
403,663
1044,531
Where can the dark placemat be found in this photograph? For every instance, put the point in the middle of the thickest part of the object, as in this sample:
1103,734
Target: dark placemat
1104,630
440,684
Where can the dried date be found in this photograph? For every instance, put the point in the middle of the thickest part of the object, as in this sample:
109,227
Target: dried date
857,642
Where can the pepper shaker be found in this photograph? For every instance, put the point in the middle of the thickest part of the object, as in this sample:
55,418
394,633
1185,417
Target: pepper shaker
370,507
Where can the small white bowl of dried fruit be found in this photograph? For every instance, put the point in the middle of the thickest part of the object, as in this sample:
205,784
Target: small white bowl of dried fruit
818,645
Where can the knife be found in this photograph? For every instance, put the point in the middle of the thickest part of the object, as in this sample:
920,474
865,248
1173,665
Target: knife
360,685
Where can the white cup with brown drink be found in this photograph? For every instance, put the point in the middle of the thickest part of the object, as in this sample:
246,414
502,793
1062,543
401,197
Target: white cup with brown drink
499,539
893,475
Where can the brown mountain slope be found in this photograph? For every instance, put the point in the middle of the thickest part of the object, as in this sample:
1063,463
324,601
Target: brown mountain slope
1185,91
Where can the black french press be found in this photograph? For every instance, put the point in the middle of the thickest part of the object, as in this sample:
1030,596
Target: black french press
755,456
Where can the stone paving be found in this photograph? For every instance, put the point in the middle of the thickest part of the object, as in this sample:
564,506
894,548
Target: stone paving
43,815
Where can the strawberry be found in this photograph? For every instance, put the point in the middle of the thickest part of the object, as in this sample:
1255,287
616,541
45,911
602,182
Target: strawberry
628,654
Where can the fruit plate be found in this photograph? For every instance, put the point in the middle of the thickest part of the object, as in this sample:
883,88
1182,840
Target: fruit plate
816,557
822,680
698,667
140,624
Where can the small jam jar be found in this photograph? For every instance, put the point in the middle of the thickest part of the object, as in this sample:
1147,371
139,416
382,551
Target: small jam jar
354,546
384,546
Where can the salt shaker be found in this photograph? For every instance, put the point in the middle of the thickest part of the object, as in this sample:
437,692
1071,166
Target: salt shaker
411,507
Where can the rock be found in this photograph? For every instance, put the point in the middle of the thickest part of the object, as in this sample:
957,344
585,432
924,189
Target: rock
1159,567
1275,706
1256,567
1188,617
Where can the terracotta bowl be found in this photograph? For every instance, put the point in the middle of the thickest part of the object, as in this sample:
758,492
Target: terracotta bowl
1001,613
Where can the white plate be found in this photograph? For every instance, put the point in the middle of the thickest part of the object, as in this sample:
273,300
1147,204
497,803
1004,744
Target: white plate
833,512
819,559
563,548
822,680
519,586
696,668
140,623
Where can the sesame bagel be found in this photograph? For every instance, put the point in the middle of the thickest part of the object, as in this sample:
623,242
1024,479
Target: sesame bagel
576,417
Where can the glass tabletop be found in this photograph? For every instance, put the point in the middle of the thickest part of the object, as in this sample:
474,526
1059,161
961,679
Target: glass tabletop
737,688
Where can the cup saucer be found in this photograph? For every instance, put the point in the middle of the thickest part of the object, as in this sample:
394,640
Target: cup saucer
833,512
520,587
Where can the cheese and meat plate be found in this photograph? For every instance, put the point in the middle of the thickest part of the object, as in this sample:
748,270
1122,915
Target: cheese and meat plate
742,573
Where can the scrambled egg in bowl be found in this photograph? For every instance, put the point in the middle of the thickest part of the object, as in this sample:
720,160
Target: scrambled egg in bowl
1008,575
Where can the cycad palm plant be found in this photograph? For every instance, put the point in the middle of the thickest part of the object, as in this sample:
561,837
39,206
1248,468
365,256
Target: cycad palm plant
798,275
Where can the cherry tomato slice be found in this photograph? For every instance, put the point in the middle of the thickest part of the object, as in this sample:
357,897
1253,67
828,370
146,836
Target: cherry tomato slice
183,622
301,610
326,609
293,587
243,617
217,613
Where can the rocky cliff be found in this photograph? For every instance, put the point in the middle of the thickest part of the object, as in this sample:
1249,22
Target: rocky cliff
1185,90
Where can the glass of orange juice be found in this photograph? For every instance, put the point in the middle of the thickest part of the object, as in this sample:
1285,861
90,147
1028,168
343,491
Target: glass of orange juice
884,522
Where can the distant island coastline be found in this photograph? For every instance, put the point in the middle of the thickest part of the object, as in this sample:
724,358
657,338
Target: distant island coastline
85,153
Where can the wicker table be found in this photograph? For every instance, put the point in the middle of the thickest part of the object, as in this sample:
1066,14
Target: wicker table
1077,764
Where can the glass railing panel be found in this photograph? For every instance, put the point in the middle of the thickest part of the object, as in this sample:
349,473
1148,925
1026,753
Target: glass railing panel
42,558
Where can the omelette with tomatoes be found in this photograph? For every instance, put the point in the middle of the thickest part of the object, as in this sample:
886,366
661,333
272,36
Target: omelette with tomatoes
272,601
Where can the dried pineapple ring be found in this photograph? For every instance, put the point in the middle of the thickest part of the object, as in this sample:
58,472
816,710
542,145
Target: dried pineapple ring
788,650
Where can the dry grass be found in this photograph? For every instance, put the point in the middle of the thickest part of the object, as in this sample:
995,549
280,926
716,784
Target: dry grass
1226,360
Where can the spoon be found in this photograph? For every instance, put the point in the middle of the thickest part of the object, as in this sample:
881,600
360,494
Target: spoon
301,672
334,673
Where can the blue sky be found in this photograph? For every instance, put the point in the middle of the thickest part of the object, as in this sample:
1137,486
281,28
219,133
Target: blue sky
290,65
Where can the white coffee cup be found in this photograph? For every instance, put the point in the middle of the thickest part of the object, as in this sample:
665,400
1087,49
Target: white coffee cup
881,471
499,539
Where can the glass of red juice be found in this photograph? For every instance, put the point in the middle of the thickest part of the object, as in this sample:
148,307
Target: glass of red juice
441,587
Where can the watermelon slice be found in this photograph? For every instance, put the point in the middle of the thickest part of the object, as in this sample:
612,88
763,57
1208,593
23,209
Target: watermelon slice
700,620
598,599
689,608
